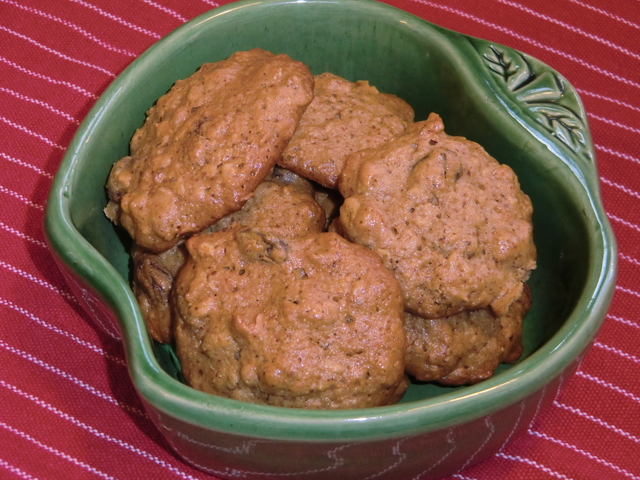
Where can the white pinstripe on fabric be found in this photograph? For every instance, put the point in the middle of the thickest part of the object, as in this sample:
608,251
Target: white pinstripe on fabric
101,435
55,451
628,290
586,93
543,468
602,12
583,453
571,28
71,378
617,219
614,123
94,348
16,471
117,19
24,129
629,259
609,385
81,31
536,43
35,168
23,236
57,53
626,190
617,351
598,421
40,103
22,198
38,281
164,9
46,78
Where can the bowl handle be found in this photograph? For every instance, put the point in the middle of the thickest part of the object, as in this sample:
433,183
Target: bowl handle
545,98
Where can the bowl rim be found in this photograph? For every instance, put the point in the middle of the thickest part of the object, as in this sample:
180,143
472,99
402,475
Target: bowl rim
159,391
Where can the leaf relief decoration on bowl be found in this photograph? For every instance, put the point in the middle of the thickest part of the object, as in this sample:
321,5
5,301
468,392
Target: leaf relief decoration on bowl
542,93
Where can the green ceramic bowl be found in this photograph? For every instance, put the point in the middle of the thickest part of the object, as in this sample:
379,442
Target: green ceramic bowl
523,112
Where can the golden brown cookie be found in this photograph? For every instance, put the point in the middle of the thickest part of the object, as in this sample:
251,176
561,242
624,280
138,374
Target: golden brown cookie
446,218
311,322
342,118
283,204
206,145
465,348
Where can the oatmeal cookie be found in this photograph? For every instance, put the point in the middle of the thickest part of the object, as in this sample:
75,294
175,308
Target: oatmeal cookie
206,145
342,118
447,219
465,348
310,322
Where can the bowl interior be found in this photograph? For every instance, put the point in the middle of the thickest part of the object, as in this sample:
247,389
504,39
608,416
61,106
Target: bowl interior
432,69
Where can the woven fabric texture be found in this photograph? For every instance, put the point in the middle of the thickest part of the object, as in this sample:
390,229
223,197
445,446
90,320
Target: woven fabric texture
68,409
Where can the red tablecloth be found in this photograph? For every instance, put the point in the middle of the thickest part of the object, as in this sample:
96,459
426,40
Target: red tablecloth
67,407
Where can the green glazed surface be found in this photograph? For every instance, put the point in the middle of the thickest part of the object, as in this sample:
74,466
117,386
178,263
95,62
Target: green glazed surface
524,113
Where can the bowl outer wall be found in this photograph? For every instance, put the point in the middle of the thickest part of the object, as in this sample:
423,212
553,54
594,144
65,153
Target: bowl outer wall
164,393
